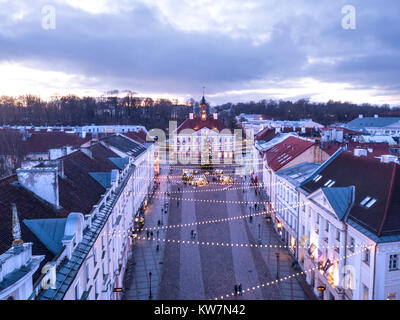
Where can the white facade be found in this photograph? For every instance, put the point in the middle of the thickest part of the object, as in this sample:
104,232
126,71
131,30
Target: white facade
189,145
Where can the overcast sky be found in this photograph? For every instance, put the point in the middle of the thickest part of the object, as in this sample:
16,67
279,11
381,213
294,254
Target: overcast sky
239,50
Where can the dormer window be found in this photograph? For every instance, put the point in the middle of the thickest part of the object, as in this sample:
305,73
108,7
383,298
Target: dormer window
317,178
329,183
368,202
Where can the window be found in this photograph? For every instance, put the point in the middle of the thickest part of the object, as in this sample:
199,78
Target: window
317,217
94,256
338,235
370,203
327,227
393,265
87,272
96,289
365,201
367,256
77,296
327,183
351,244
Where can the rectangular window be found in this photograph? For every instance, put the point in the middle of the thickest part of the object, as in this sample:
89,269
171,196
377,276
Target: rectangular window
393,265
338,235
327,227
77,296
351,244
87,272
367,256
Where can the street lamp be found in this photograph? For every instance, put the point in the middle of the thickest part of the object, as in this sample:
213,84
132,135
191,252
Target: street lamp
277,265
150,295
321,289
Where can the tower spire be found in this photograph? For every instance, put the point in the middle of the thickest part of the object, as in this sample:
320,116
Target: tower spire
16,228
203,107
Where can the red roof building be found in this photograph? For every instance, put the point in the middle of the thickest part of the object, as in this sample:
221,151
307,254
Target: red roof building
283,154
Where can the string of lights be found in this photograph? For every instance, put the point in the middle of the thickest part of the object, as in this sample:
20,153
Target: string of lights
294,275
233,244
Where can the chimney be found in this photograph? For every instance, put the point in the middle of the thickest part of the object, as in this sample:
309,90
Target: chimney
360,116
387,158
42,180
87,151
360,152
215,116
191,115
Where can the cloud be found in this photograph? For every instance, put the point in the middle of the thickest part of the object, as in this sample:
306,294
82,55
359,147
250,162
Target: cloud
228,46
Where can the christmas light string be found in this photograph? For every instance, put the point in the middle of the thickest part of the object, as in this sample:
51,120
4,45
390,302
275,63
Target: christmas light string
292,276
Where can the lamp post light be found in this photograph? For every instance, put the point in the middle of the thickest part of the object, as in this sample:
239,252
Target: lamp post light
277,265
150,295
321,289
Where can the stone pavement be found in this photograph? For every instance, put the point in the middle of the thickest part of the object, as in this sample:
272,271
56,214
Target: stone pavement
145,257
191,271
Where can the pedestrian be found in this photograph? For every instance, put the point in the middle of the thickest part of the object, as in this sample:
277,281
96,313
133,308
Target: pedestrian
240,289
191,233
147,233
236,289
159,222
151,234
158,233
194,234
251,218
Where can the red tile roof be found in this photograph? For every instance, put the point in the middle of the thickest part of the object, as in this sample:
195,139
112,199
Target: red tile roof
266,134
79,191
197,124
376,149
137,136
43,141
285,151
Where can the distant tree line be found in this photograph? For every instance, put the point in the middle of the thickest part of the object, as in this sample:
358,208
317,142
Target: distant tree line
324,113
76,111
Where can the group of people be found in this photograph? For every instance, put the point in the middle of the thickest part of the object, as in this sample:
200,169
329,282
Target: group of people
238,289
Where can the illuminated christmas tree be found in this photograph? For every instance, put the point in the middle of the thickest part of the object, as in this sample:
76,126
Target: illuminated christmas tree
206,159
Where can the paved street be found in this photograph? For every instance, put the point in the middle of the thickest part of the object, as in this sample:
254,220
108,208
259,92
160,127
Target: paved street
191,271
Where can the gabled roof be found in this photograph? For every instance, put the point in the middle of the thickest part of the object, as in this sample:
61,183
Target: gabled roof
48,231
266,135
79,191
285,151
125,145
339,198
43,141
104,178
120,162
371,178
197,124
28,207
